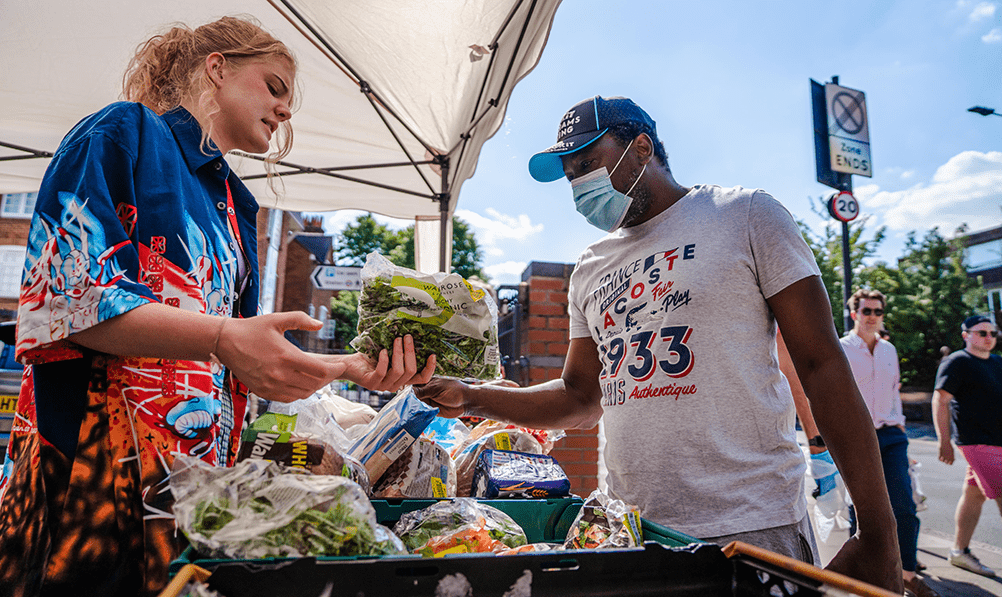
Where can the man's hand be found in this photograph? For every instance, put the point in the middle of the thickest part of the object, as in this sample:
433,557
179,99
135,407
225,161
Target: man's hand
868,560
388,373
946,452
448,395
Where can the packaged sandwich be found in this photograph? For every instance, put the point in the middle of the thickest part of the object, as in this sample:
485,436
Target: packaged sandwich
295,441
425,470
468,453
398,425
505,474
445,314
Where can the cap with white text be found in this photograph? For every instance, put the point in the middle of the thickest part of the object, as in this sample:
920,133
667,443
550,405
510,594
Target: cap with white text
582,125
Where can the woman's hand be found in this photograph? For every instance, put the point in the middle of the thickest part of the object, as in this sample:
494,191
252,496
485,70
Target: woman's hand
388,373
256,351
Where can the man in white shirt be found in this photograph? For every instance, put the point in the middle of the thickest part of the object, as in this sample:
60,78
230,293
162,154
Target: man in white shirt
874,363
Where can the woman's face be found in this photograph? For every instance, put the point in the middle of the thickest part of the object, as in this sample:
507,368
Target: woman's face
253,98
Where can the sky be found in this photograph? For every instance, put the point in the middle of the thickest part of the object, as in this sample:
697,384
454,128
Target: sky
728,86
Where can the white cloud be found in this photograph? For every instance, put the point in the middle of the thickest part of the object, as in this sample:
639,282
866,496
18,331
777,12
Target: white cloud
495,228
966,189
509,272
984,10
907,174
992,37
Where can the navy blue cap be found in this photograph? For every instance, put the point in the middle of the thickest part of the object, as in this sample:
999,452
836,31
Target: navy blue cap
582,125
974,320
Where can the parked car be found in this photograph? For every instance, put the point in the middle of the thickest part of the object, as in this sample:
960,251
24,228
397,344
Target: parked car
10,384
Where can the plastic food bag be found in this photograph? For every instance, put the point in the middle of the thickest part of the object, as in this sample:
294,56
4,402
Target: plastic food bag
831,505
530,548
545,437
448,433
604,522
468,453
321,414
425,470
302,435
462,525
256,509
917,495
444,313
504,474
399,423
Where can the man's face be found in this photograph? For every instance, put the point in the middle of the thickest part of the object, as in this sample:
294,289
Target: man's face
869,316
607,152
981,337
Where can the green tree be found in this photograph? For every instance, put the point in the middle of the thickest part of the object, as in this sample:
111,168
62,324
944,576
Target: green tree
344,312
366,235
360,238
466,253
929,296
827,249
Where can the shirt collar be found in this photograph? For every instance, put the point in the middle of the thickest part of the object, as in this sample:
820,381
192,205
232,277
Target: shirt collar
188,134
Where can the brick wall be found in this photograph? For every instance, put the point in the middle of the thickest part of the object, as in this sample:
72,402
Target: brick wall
544,342
13,231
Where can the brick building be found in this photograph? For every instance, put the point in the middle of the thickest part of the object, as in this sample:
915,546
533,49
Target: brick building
534,325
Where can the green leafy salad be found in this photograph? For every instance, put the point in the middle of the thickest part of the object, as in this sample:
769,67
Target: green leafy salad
258,509
445,314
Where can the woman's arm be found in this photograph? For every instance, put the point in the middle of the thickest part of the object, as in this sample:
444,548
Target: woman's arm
254,349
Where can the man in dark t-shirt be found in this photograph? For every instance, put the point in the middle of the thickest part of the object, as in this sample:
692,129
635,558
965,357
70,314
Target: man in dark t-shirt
969,386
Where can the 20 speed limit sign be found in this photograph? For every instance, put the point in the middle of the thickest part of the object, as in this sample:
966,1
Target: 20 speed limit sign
843,206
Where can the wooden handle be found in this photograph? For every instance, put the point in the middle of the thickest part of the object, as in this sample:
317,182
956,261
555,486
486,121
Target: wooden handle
834,579
187,574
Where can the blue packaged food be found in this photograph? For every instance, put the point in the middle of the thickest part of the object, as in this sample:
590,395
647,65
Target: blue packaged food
503,473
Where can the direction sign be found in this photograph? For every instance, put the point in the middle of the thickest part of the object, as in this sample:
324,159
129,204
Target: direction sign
335,277
848,130
843,206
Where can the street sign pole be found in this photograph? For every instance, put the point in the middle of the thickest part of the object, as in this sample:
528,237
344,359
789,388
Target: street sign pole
841,181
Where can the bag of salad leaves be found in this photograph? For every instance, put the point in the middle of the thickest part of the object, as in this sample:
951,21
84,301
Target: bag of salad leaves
462,525
446,315
259,509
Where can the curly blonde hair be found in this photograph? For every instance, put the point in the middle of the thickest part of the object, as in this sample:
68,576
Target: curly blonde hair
169,67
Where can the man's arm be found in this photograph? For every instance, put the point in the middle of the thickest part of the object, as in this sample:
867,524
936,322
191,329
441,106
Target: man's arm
572,402
941,420
804,314
800,401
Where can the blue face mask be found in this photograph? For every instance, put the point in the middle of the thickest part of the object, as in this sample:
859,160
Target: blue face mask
598,201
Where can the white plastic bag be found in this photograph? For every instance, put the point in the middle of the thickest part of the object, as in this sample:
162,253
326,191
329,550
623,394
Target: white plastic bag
917,494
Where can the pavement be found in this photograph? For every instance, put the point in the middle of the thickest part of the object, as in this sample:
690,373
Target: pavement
933,551
950,581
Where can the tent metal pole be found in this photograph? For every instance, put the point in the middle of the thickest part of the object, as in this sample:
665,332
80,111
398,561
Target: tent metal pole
443,206
35,153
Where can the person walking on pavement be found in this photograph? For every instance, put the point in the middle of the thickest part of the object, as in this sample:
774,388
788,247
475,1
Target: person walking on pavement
874,363
969,383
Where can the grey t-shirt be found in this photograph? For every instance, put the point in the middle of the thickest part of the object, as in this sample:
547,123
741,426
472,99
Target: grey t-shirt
699,421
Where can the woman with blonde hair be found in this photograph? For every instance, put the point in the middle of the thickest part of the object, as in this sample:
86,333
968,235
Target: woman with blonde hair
138,315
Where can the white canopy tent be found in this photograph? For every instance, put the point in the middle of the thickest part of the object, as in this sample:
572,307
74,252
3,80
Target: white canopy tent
398,96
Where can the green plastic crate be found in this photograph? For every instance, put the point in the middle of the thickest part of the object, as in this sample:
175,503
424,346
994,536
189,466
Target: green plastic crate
664,535
543,520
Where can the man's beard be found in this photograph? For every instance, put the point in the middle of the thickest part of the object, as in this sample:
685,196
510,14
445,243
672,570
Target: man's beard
638,207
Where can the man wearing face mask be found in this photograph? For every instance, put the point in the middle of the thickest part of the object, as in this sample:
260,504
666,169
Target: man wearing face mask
673,340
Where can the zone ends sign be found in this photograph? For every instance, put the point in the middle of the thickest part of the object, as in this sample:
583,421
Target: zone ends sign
848,130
